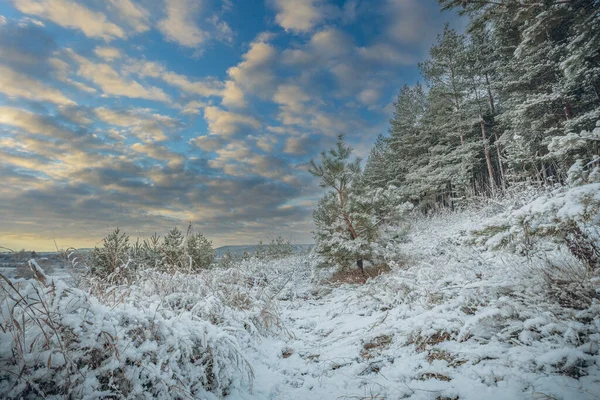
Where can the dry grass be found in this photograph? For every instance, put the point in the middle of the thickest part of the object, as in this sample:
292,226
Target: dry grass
370,349
434,375
424,342
437,354
355,277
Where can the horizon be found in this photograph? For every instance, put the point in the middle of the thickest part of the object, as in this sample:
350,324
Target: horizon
148,115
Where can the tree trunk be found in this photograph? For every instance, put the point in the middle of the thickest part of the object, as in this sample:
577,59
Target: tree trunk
486,149
490,96
359,264
500,166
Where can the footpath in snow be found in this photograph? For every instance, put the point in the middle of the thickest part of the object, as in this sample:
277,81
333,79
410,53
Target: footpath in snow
455,323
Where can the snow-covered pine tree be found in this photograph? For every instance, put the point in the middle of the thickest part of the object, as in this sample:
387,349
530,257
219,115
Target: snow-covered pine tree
200,251
113,254
408,144
344,233
454,147
173,249
377,168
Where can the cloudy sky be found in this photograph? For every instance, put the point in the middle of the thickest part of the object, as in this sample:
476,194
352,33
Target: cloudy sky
146,114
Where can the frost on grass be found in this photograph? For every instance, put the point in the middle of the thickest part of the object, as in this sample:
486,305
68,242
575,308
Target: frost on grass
456,319
58,341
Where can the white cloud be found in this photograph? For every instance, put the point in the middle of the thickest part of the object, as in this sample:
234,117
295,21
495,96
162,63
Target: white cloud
107,53
255,73
387,54
142,123
31,122
193,107
207,87
409,21
179,26
266,142
299,15
72,15
159,152
62,70
369,96
2,20
133,14
17,85
227,123
208,143
113,84
297,145
222,30
233,96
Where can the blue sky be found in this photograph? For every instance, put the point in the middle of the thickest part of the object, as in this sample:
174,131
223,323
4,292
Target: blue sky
146,114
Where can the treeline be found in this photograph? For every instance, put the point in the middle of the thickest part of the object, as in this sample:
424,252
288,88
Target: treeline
514,99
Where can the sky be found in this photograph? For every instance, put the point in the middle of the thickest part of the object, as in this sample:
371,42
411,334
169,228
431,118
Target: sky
149,114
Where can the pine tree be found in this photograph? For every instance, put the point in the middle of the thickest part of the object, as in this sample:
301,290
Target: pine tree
408,144
173,249
152,252
200,251
343,233
113,254
377,168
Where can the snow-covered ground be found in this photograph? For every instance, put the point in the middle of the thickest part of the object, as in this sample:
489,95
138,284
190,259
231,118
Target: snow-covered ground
456,323
452,321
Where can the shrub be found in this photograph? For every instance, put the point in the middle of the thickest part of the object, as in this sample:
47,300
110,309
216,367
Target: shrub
59,341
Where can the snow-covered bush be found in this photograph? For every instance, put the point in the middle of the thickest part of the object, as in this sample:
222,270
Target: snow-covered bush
568,215
117,261
277,247
59,341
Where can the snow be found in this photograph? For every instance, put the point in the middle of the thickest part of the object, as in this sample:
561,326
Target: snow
452,333
453,320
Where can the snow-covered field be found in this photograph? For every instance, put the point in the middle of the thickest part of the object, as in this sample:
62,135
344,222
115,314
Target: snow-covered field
454,321
457,323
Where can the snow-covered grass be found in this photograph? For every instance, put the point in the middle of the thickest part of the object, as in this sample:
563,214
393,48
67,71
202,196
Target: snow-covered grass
454,320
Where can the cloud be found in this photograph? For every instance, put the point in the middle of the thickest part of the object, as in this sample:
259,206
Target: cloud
208,143
144,124
298,145
17,85
255,74
113,84
410,21
159,152
68,14
133,14
107,53
386,53
193,107
226,123
299,15
25,45
179,26
233,96
369,96
205,88
222,30
62,70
